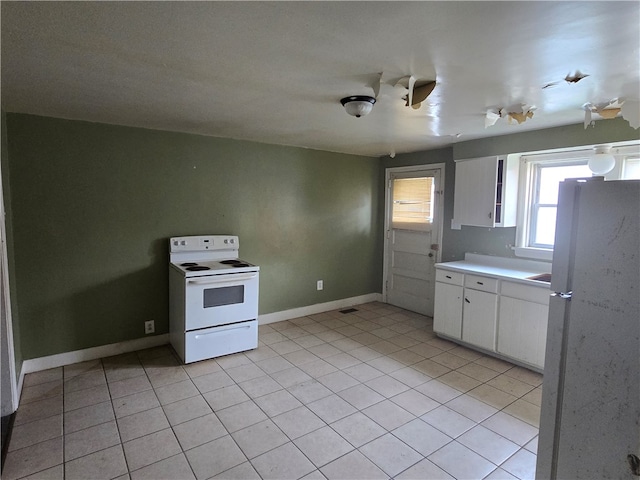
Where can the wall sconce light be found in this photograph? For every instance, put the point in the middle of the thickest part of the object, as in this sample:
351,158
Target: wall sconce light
358,105
602,160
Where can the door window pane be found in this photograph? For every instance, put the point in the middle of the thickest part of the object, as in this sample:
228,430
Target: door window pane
413,202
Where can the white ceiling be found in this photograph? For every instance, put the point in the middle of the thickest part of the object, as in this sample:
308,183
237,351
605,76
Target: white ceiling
274,72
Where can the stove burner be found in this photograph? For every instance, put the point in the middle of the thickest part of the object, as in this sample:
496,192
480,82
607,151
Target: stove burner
240,264
188,264
197,268
230,262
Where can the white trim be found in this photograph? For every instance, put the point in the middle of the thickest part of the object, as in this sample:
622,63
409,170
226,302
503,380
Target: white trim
535,253
616,148
317,308
68,358
524,194
6,300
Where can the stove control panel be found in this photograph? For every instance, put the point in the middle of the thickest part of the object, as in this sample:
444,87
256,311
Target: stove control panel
198,243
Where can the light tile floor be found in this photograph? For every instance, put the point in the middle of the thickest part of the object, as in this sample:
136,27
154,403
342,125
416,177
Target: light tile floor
364,395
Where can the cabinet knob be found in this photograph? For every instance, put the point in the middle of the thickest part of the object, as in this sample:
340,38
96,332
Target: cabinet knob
466,300
490,213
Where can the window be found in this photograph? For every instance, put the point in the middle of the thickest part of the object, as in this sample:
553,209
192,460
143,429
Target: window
544,204
631,168
538,195
413,203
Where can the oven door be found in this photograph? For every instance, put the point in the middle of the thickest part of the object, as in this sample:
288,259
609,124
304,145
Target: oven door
213,300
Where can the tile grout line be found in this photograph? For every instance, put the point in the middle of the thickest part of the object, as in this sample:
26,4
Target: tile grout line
182,451
115,418
344,349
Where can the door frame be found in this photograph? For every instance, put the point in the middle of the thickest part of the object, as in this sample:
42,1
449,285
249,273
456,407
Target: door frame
388,208
7,321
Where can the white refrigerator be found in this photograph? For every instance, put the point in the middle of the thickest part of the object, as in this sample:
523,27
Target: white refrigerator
590,415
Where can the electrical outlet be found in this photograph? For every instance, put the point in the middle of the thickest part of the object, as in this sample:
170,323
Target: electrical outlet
149,327
320,285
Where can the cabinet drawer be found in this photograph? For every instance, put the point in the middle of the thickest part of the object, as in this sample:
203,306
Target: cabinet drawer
447,276
484,284
525,292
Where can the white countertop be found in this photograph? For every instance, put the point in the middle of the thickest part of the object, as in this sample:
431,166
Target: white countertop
513,269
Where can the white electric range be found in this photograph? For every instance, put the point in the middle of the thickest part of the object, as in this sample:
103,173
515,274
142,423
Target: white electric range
213,297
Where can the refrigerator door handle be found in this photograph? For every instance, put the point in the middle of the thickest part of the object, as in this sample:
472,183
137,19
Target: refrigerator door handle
563,295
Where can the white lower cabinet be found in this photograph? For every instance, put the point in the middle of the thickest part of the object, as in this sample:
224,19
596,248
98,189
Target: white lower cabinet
522,330
447,315
508,318
479,318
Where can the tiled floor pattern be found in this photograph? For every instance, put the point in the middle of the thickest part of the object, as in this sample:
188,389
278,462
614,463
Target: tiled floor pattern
367,395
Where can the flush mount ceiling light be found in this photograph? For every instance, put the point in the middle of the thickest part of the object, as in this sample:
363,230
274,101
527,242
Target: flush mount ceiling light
602,161
358,105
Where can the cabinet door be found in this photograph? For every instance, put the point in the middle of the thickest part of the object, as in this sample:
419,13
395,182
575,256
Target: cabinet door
522,330
475,192
447,317
479,318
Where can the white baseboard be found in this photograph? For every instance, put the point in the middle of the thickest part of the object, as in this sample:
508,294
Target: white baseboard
77,356
317,308
68,358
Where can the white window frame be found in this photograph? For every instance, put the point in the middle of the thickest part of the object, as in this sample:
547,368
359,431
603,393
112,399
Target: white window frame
631,152
528,163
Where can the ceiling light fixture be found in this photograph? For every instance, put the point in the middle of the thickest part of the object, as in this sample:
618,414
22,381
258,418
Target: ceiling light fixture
358,105
602,160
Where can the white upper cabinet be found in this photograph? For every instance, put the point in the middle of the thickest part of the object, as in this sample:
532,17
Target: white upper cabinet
486,191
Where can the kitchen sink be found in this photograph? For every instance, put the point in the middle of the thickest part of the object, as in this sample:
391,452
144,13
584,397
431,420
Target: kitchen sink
543,277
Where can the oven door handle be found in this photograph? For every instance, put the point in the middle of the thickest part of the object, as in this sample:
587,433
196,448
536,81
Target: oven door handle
218,332
218,279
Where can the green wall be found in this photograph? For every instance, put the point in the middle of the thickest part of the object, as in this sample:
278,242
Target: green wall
605,131
94,206
90,208
498,241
